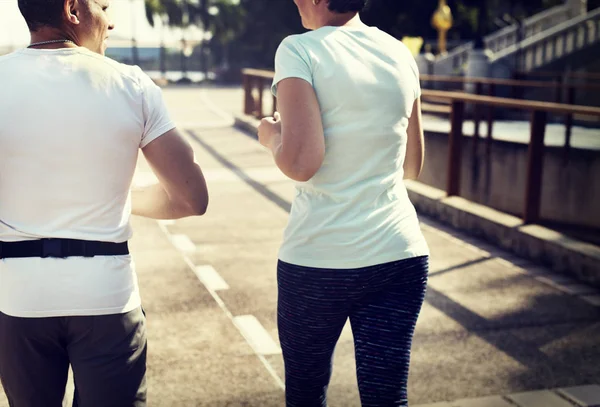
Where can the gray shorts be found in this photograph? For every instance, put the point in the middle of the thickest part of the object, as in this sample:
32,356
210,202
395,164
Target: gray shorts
107,354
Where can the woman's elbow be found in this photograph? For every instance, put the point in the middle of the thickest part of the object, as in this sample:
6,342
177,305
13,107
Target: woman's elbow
413,171
302,174
411,175
302,168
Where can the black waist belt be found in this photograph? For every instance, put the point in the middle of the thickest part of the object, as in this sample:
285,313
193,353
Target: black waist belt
61,248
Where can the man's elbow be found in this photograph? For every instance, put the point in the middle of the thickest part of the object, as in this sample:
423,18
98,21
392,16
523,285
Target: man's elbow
198,208
195,204
198,205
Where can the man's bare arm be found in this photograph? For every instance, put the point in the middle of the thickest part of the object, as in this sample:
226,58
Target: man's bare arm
181,190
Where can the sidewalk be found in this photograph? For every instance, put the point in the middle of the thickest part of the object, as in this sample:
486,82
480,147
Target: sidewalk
492,325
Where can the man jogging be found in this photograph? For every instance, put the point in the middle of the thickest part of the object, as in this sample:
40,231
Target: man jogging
71,125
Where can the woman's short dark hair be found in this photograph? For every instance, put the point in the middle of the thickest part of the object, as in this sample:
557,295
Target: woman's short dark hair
39,13
347,6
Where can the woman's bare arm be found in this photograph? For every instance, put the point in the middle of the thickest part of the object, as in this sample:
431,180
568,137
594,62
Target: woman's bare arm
300,149
415,148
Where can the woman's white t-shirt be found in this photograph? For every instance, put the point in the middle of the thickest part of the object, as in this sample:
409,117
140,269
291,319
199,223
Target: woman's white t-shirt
355,212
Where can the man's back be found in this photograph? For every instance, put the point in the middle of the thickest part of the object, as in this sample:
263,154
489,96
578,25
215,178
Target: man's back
71,125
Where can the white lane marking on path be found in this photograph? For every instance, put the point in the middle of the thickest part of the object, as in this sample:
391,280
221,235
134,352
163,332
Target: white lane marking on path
211,278
183,243
256,335
229,315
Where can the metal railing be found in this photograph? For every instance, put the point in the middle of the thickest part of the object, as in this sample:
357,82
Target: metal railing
533,25
257,79
509,40
556,42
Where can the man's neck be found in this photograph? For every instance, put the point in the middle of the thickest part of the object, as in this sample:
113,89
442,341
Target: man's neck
47,34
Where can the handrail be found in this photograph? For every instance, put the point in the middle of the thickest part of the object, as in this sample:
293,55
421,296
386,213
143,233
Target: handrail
549,33
259,73
556,74
528,105
491,39
505,41
265,74
506,82
458,100
556,10
528,25
539,112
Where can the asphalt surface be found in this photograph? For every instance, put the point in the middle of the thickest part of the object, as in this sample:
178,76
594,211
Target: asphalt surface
492,324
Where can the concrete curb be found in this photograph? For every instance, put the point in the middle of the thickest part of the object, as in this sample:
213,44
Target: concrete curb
537,243
545,246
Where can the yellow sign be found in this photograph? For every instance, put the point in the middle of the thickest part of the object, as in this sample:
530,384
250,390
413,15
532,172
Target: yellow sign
414,44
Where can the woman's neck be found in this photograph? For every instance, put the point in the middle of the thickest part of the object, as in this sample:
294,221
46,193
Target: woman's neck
344,20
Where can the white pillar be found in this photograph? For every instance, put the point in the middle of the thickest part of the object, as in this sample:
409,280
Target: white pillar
478,66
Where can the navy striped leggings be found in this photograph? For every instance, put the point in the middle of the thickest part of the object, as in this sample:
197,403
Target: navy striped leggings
383,303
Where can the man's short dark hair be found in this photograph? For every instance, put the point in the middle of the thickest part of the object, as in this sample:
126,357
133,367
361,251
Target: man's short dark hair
40,13
347,6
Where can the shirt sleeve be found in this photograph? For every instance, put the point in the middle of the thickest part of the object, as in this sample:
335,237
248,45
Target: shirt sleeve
291,61
415,69
156,117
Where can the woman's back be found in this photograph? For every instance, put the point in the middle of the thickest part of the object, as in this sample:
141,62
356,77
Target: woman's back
355,211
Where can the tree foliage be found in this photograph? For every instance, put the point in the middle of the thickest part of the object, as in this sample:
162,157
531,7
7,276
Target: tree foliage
254,28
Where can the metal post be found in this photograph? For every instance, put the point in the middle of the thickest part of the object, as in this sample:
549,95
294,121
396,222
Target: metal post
477,114
455,148
490,118
569,122
535,163
558,82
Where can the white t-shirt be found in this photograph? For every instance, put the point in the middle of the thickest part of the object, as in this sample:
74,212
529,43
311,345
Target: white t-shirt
355,212
71,125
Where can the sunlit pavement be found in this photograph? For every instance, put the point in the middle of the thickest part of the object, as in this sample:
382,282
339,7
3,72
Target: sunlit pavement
495,330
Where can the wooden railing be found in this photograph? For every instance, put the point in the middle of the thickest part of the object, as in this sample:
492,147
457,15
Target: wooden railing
561,93
255,82
558,76
458,100
539,114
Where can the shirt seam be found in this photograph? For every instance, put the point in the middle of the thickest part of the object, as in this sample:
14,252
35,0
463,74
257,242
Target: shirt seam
100,58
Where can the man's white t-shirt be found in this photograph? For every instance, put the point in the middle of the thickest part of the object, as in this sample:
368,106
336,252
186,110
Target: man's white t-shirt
355,211
71,126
